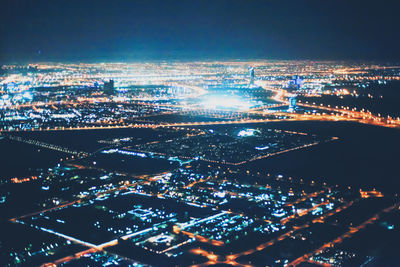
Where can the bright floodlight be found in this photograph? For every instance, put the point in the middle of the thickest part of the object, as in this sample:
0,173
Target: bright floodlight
226,102
27,95
247,132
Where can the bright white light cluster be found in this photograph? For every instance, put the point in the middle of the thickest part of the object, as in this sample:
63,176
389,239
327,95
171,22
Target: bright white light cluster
226,102
247,132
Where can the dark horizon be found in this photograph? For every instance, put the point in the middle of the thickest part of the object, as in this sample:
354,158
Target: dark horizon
43,30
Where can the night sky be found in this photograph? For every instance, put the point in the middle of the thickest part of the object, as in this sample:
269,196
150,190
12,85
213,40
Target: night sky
34,30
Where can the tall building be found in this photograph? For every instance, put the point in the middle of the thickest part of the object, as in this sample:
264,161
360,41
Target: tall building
252,75
108,87
292,103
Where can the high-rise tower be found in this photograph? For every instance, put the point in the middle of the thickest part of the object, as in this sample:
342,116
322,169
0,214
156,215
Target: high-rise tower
252,75
109,87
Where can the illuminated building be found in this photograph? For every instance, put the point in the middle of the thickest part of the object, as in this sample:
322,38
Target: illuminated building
292,103
109,87
252,75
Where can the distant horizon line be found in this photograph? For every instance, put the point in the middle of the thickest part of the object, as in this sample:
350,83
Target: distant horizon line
188,59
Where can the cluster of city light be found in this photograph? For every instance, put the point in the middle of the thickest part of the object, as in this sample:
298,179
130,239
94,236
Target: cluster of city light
209,180
226,102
